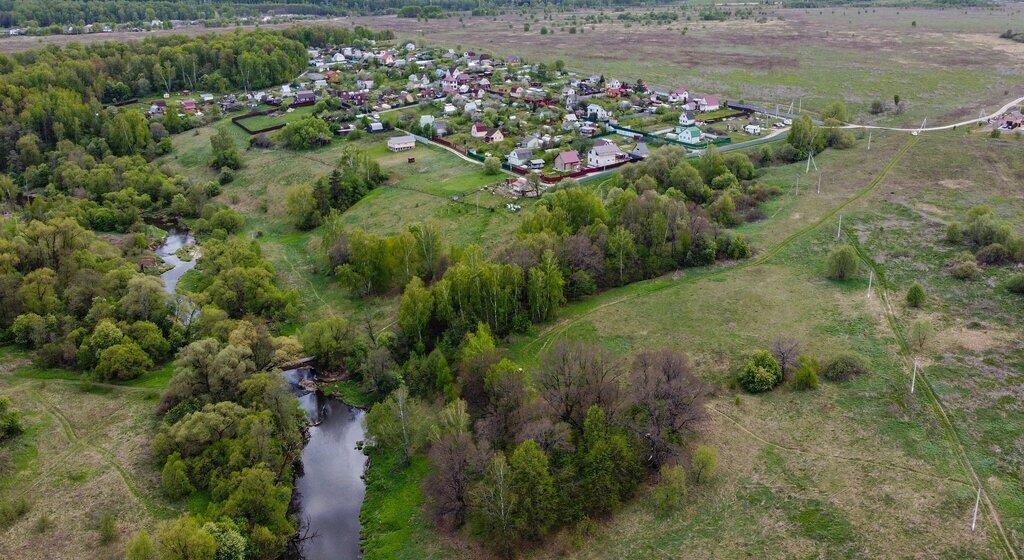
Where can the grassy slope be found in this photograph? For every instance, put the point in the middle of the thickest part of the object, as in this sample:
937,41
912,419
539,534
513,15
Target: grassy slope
414,192
85,452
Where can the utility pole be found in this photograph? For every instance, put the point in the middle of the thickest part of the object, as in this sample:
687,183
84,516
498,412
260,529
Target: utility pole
798,183
839,232
913,378
870,279
869,140
819,182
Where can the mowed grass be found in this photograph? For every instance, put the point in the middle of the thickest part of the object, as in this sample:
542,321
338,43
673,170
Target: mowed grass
86,452
946,64
414,193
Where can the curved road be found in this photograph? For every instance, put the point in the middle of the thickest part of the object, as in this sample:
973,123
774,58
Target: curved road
1003,109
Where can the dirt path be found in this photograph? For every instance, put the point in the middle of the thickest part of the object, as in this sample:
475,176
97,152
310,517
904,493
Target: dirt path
986,118
934,402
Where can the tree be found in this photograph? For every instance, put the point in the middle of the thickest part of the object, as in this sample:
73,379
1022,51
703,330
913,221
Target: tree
805,138
224,151
761,373
492,165
122,362
184,539
573,376
916,295
670,494
10,421
493,505
545,288
231,545
456,461
140,547
416,309
306,133
38,292
333,344
786,352
842,263
667,400
920,333
609,466
174,479
128,133
400,421
533,487
302,207
621,250
145,300
705,462
806,375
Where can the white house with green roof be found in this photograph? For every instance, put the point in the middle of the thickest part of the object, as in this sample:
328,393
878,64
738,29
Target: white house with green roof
689,134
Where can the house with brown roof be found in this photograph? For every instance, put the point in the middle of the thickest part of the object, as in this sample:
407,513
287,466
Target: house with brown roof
567,161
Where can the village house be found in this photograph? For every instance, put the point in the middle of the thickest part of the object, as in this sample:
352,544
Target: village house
494,135
686,118
752,129
401,143
708,103
679,95
532,142
603,153
570,122
689,134
567,161
520,157
364,84
188,106
596,112
303,98
478,130
640,151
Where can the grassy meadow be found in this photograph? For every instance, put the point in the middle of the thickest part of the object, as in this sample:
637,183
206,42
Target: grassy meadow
85,454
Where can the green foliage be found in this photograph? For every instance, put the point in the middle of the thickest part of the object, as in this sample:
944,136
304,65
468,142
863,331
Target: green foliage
916,295
122,362
183,539
302,208
12,509
174,479
761,373
333,343
107,528
1016,284
140,547
964,267
845,366
806,375
492,165
842,263
224,152
670,494
705,463
10,421
533,487
399,422
306,133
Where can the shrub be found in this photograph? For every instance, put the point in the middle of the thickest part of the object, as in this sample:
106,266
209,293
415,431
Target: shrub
670,494
916,295
1016,284
492,165
842,263
964,267
11,511
122,362
996,253
705,462
919,334
226,175
761,373
107,528
806,375
846,366
955,233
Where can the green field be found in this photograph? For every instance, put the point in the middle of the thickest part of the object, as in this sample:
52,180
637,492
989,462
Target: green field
414,192
262,122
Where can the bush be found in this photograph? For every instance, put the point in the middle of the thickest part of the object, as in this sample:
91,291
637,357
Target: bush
996,253
671,493
916,295
705,461
107,528
846,366
122,362
955,233
842,263
761,373
1016,284
964,267
11,511
226,175
492,165
919,334
806,375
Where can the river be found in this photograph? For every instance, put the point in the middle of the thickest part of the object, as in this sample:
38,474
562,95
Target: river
176,239
329,491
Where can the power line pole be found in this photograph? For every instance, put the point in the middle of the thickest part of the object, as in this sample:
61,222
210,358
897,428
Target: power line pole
869,140
819,182
870,280
913,378
839,232
977,502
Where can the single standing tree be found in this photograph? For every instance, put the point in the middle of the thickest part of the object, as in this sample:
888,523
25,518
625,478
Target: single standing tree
842,263
533,487
705,462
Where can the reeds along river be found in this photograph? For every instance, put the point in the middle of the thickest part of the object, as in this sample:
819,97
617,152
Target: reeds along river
329,491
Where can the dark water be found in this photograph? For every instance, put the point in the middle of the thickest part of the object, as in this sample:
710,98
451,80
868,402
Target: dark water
176,239
329,493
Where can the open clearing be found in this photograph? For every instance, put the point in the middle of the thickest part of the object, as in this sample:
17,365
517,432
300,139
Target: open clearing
86,452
